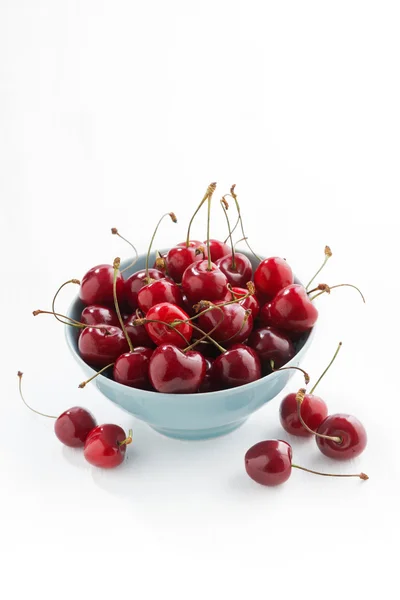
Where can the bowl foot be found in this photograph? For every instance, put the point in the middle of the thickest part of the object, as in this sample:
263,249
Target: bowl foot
199,434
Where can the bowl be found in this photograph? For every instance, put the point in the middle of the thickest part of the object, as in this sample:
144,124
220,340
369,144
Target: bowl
189,416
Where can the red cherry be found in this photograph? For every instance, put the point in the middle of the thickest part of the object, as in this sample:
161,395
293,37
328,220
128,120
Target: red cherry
162,334
137,333
248,303
132,368
135,282
271,344
237,366
313,412
272,275
265,314
157,292
100,346
105,446
207,383
200,283
97,286
172,371
269,462
235,325
73,426
99,315
180,258
217,249
292,310
239,274
350,431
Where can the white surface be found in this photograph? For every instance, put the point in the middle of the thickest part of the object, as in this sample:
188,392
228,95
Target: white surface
114,112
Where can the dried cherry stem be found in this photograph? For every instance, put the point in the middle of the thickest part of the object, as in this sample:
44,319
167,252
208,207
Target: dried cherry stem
299,399
128,440
328,254
332,287
306,375
359,475
174,220
115,231
116,265
225,206
327,368
56,294
25,402
84,383
143,321
210,190
234,196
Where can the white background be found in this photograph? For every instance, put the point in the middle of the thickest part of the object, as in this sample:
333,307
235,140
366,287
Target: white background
113,112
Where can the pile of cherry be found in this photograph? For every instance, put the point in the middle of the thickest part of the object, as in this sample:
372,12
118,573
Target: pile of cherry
199,320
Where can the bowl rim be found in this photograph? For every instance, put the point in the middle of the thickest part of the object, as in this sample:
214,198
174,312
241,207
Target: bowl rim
196,395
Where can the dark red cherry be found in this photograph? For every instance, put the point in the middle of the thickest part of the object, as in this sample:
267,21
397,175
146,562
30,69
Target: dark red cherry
73,426
313,412
292,310
132,368
172,371
187,306
237,366
181,257
105,446
248,303
351,432
218,249
162,334
198,283
239,274
265,314
137,333
135,283
100,346
157,292
272,275
232,323
207,383
99,315
269,462
207,349
97,286
271,344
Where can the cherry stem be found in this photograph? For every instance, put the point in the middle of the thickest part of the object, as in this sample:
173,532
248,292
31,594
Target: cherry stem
128,440
243,239
328,254
327,368
209,334
234,196
138,322
306,375
115,231
210,190
206,336
233,231
225,206
56,294
84,383
332,287
209,267
72,322
174,220
116,265
362,476
299,399
26,404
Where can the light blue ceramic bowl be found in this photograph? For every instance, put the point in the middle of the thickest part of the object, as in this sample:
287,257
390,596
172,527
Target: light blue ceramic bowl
188,416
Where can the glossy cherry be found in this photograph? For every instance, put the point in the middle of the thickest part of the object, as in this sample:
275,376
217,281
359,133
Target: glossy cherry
157,292
248,302
313,412
237,366
200,283
271,344
105,446
237,274
100,346
180,258
265,314
230,323
352,434
97,286
135,282
73,426
218,249
132,368
160,333
99,315
137,333
172,371
292,310
272,275
207,383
